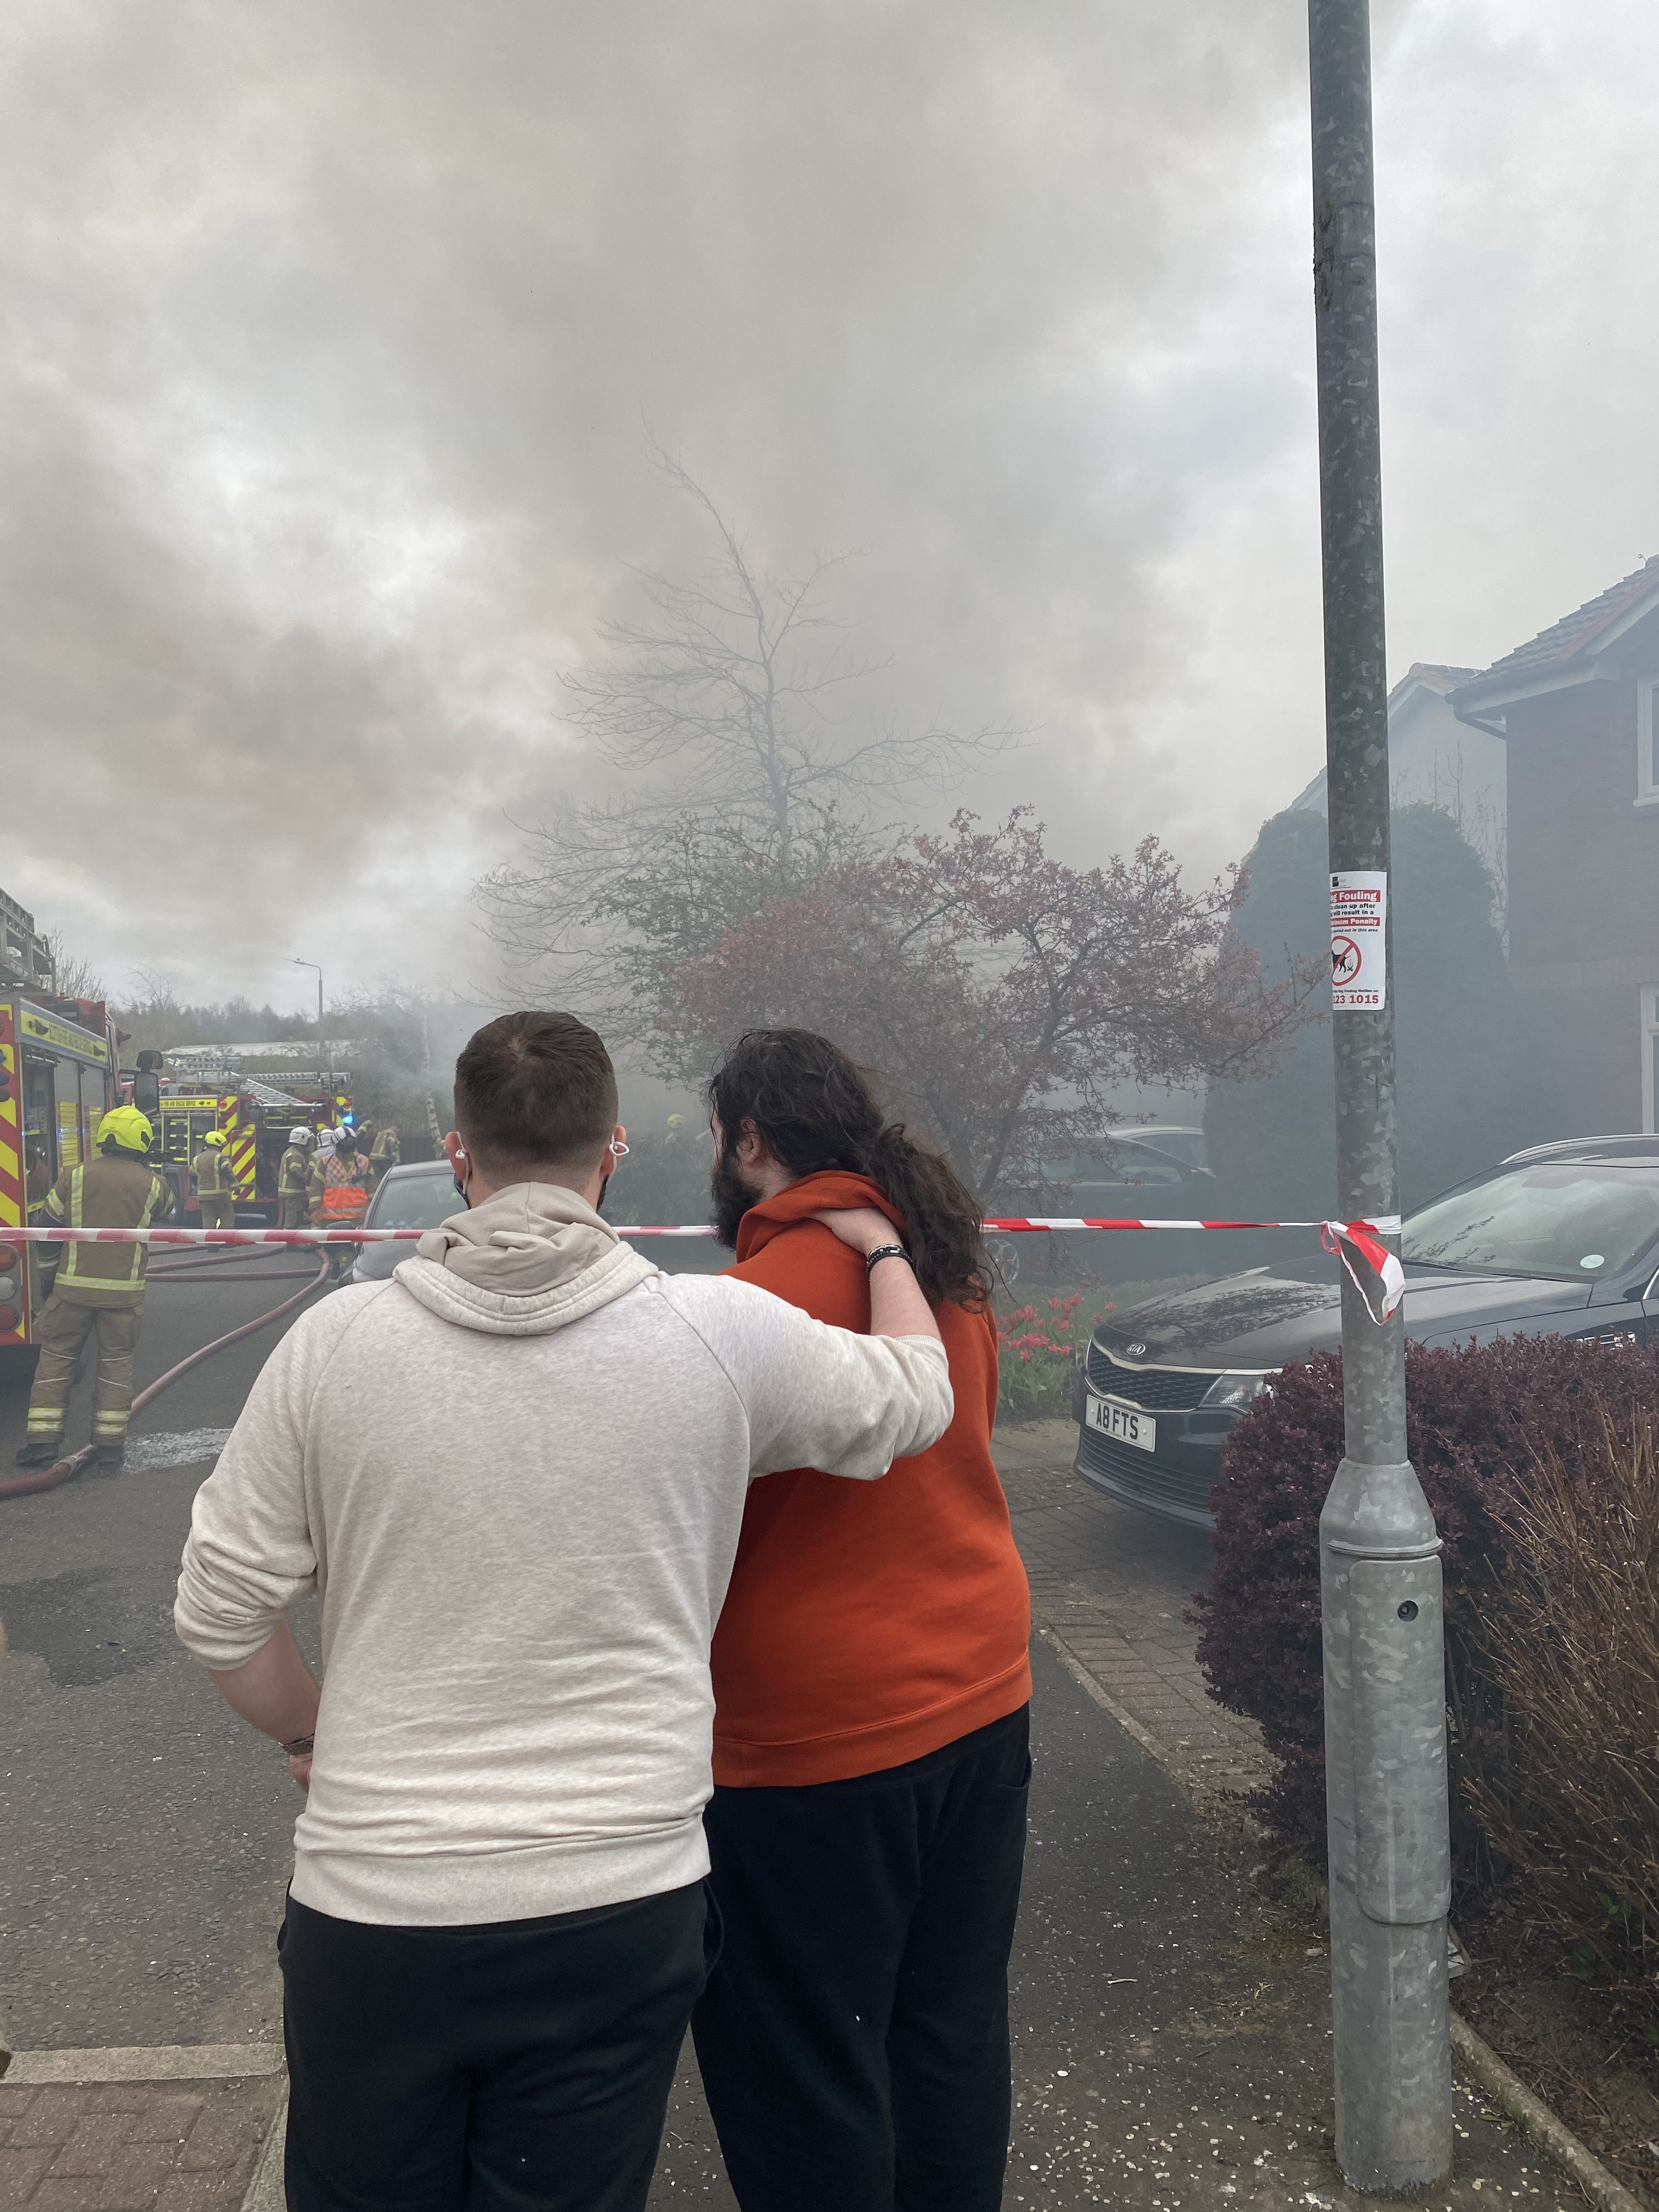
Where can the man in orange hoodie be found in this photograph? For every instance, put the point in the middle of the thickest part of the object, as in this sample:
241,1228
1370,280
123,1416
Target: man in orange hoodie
871,1686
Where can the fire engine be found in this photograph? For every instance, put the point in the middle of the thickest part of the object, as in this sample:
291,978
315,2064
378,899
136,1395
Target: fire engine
255,1118
60,1073
58,1077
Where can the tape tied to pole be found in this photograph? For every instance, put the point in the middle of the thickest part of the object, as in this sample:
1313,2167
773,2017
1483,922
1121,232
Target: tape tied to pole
1342,1237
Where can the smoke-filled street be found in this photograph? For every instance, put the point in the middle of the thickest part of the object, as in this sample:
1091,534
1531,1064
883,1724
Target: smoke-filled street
828,1106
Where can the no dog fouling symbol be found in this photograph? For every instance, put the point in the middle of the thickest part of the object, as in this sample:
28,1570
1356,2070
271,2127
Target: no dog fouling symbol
1359,911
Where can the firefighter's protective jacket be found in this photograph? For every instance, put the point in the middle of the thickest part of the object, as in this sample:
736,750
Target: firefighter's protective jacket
338,1193
294,1173
387,1154
211,1171
108,1193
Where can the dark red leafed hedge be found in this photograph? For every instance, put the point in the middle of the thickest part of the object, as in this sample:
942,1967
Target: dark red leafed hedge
1476,1418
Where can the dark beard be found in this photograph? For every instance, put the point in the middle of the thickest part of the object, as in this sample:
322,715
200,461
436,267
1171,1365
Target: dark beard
732,1199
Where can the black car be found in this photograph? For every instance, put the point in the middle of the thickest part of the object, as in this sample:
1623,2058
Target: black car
1562,1240
1137,1171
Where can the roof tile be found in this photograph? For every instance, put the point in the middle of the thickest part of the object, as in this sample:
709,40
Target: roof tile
1565,639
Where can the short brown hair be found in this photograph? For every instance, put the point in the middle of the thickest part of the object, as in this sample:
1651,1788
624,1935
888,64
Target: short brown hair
535,1090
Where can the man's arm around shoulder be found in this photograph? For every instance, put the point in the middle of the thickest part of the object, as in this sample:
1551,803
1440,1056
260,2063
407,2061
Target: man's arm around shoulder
823,1397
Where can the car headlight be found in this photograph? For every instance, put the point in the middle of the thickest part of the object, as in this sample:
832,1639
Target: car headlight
1233,1393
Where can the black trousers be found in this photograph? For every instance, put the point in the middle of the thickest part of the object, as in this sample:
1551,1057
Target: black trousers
520,2067
854,2037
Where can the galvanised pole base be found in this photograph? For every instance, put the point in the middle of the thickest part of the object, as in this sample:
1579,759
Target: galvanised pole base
1390,1872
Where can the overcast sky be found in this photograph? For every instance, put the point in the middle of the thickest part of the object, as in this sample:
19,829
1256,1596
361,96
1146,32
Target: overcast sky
331,331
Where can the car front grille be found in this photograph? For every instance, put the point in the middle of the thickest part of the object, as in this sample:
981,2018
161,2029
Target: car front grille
1144,1477
1176,1389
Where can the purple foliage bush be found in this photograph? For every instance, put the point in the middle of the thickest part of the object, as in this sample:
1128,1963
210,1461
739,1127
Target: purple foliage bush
1477,1416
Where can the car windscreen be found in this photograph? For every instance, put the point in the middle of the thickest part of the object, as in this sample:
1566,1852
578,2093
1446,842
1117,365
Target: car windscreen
414,1202
1574,1219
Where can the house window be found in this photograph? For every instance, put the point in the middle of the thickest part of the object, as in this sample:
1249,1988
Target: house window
1651,1059
1646,742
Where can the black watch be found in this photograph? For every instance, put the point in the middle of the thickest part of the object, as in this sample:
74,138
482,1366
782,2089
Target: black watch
883,1252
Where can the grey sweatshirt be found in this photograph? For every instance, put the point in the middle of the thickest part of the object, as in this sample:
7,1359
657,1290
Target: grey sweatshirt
515,1472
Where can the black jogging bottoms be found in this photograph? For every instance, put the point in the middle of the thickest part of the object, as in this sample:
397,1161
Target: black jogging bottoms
521,2066
854,2037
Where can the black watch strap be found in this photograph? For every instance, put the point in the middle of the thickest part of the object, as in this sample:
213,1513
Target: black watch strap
883,1252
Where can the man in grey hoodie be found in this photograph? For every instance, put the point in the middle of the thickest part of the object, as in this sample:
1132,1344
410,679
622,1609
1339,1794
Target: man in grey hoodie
515,1474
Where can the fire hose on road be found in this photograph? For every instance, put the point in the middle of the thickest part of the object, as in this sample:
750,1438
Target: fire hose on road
1362,1238
48,1477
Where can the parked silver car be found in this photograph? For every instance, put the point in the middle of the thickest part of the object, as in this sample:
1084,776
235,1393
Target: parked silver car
418,1196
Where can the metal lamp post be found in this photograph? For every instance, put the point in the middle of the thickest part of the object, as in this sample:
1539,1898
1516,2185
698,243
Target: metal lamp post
1380,1580
293,963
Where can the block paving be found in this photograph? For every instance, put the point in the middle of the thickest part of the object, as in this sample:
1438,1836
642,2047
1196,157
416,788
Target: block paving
177,2145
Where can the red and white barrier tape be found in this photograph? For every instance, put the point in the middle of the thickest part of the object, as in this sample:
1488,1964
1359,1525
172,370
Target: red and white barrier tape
1339,1238
1017,1224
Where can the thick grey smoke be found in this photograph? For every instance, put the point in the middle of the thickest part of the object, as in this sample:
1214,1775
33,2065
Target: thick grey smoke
331,334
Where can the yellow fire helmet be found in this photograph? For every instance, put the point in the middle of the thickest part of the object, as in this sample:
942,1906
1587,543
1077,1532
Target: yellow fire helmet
214,1137
126,1127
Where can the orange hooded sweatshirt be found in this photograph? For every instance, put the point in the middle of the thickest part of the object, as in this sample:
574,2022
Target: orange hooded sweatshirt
866,1623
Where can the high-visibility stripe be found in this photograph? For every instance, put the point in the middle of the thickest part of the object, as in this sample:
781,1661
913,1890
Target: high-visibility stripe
110,1425
12,1173
133,1279
47,1420
242,1153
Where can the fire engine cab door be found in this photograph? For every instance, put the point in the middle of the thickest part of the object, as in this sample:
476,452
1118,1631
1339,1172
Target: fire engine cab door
40,1116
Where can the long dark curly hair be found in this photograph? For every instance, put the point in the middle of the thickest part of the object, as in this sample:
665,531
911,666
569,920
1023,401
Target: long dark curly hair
814,1108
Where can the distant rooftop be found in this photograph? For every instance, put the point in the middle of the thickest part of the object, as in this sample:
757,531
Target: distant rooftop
1434,676
295,1052
1576,633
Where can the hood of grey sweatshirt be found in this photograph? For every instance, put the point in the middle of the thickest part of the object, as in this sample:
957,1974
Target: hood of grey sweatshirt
532,1257
515,1474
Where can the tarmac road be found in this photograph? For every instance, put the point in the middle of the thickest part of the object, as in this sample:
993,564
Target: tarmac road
143,1832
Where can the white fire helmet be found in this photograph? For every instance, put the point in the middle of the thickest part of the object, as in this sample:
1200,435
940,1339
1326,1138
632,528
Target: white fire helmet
300,1136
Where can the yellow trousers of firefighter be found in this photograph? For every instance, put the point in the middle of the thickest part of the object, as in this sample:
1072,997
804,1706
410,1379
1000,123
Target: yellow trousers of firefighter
294,1211
61,1328
218,1212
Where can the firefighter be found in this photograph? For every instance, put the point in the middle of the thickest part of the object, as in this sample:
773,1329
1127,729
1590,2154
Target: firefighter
293,1179
213,1191
385,1154
339,1192
97,1286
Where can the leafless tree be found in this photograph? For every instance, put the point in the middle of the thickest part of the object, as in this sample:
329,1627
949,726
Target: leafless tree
73,975
726,704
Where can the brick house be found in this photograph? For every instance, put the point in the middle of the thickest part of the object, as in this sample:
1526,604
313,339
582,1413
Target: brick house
1578,708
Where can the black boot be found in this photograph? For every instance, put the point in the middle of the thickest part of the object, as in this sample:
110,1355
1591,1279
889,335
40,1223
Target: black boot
109,1457
40,1451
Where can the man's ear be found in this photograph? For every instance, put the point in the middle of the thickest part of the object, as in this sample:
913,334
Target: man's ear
751,1147
455,1150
